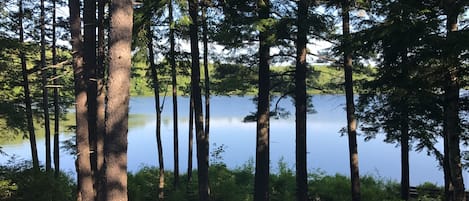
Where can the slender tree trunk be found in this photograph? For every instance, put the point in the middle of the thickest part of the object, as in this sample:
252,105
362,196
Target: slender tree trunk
202,138
156,90
261,180
100,107
351,120
56,95
45,93
89,57
84,178
405,183
449,188
174,88
300,101
27,93
451,106
191,139
206,73
117,110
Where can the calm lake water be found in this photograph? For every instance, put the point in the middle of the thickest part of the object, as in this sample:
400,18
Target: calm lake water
327,150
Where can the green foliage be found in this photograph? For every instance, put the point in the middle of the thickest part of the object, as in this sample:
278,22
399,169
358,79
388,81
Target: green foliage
19,181
237,185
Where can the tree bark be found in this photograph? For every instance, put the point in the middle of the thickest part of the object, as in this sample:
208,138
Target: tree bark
300,101
117,110
89,58
84,177
201,137
174,88
191,139
100,107
45,93
351,120
405,180
27,93
56,95
206,73
156,90
451,106
261,177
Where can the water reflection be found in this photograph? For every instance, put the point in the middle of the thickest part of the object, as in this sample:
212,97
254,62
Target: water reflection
327,150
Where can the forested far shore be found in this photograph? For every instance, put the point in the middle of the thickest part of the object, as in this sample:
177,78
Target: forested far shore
412,96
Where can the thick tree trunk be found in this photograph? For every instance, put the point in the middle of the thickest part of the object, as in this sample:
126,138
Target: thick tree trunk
300,101
261,178
156,90
27,93
206,73
201,137
451,106
45,93
56,95
117,110
100,101
351,120
174,88
84,177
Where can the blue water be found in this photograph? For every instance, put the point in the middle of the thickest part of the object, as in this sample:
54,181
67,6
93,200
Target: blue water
327,150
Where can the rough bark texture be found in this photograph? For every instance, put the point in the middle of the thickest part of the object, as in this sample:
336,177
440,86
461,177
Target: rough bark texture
300,102
451,106
84,177
156,90
174,88
351,120
117,110
202,140
27,93
45,93
100,107
56,94
261,178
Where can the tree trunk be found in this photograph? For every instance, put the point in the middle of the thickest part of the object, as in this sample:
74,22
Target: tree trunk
351,120
117,110
191,139
451,105
405,183
261,178
89,58
156,90
84,178
449,188
100,107
56,95
202,139
206,73
174,88
27,93
300,101
45,93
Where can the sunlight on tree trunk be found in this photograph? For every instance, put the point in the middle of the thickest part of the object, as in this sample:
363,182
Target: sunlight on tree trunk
117,110
351,120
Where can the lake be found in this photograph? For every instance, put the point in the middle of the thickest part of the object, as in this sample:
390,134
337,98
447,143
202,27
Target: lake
327,149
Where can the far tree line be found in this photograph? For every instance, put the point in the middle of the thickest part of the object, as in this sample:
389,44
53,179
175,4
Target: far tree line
415,96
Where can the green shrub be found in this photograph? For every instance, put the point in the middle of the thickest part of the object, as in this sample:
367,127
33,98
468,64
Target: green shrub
20,182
